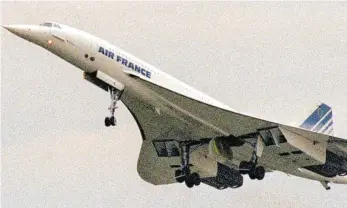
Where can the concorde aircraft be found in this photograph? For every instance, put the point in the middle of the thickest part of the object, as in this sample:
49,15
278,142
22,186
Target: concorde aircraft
189,137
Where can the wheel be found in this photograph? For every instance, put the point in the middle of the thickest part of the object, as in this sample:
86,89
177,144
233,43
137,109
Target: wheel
112,121
244,167
239,179
107,122
252,175
259,172
189,182
178,173
179,177
196,178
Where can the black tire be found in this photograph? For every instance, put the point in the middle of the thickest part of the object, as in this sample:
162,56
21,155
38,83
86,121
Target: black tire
259,172
252,175
178,173
112,121
189,182
178,176
244,167
107,122
239,180
196,178
180,179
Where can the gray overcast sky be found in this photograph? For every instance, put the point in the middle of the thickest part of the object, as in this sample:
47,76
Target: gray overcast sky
273,60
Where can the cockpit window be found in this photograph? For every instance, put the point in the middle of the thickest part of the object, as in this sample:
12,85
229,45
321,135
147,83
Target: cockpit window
50,24
47,24
57,26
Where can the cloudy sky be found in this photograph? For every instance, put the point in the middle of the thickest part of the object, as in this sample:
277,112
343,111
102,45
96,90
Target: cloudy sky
273,60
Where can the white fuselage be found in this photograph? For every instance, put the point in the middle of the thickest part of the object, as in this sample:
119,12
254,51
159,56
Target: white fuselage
90,54
118,63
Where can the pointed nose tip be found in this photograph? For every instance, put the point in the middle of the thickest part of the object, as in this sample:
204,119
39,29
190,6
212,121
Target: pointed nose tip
19,30
10,28
5,26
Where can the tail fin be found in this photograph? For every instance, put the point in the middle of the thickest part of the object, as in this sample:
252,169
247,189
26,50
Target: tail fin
321,120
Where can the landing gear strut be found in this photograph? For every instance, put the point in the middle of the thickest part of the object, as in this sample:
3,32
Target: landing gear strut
251,168
183,174
115,96
326,185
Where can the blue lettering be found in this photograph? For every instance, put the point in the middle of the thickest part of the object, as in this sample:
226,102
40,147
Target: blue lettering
131,65
148,74
124,62
101,50
143,71
111,55
137,68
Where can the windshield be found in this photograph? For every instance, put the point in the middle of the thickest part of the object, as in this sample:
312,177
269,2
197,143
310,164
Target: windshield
50,24
46,24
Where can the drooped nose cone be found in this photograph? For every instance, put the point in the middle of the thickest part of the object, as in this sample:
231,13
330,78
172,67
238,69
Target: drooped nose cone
19,30
32,33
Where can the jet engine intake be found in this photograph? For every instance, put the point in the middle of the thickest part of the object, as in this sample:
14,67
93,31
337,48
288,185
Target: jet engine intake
221,147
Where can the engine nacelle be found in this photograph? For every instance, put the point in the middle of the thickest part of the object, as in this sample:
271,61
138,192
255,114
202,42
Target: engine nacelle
229,176
220,148
226,177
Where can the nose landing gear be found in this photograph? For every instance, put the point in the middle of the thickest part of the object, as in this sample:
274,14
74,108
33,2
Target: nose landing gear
115,96
110,121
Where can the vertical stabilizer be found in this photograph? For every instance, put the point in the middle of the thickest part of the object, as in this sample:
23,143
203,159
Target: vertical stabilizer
321,120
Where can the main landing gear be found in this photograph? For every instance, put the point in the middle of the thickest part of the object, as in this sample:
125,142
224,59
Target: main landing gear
183,174
251,168
115,96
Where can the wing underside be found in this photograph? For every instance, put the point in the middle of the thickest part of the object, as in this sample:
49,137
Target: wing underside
178,118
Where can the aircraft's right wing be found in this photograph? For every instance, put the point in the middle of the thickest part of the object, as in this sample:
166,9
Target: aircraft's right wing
174,118
159,154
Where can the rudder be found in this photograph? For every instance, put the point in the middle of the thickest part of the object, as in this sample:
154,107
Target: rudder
321,120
